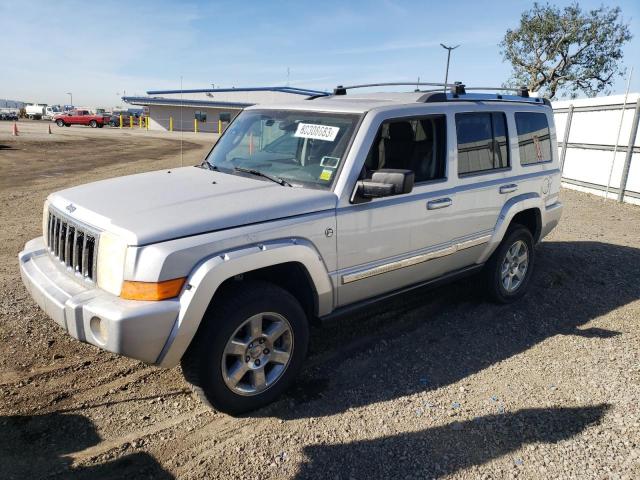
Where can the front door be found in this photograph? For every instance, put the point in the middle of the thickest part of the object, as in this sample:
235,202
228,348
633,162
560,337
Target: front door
389,243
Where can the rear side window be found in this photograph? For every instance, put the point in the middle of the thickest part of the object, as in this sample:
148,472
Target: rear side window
482,142
534,138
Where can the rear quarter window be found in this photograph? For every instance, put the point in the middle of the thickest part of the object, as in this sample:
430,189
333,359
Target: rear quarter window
534,138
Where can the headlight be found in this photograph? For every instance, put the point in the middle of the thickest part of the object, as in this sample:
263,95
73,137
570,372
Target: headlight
45,220
111,256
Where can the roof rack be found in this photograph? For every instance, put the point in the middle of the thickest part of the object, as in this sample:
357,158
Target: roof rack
341,90
456,91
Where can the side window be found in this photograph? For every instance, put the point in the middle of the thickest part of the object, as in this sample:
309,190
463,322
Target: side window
225,117
534,138
417,144
201,116
483,143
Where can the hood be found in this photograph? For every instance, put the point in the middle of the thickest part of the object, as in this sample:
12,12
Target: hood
157,206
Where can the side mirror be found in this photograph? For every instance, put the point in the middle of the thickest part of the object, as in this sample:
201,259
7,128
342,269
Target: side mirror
386,182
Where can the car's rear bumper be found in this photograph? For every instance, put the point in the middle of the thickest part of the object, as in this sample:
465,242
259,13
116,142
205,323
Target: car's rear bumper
132,328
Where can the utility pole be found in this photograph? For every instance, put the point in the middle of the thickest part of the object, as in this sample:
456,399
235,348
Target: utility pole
446,75
71,95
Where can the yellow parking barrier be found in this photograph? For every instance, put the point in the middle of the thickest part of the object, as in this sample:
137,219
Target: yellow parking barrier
147,124
141,121
171,124
219,126
130,121
195,125
120,120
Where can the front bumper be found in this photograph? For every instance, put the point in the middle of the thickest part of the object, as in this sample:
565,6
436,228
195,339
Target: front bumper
136,329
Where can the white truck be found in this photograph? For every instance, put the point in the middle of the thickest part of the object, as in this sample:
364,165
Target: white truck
38,111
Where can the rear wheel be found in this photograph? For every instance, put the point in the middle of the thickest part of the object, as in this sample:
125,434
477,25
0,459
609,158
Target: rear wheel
248,349
60,123
93,124
509,269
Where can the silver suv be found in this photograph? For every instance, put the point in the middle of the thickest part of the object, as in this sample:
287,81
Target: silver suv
300,212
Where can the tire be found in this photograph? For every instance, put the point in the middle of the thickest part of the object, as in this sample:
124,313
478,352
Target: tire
507,279
208,363
60,123
93,124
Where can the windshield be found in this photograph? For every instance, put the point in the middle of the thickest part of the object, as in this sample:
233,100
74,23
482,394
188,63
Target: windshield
303,148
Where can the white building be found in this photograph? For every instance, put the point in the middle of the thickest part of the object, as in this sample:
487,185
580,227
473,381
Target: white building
208,110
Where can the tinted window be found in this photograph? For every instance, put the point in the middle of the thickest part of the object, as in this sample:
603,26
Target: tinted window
201,116
534,138
482,142
417,144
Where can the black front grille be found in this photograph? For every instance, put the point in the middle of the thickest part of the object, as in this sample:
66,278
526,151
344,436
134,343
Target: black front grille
73,244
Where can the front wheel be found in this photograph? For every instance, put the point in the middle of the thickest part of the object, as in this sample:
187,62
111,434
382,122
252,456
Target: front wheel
93,124
60,123
508,271
249,348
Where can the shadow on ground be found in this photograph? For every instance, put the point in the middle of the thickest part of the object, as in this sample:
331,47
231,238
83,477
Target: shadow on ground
433,338
50,438
441,451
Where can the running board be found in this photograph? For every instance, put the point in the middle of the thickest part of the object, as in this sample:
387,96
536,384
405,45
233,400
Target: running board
433,283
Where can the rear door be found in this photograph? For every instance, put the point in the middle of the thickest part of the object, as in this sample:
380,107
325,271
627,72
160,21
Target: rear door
483,169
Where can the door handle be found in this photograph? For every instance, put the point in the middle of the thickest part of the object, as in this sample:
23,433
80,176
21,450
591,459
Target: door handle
439,203
512,187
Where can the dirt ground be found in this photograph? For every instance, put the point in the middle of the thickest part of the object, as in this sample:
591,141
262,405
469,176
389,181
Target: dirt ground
436,384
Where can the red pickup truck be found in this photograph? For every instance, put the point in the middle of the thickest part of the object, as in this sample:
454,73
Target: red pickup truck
80,117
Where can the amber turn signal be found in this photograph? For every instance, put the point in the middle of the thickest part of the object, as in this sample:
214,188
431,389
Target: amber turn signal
151,290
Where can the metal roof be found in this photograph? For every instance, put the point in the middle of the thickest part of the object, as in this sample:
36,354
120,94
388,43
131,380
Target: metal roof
293,90
184,102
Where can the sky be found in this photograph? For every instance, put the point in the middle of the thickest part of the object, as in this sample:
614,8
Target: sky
100,50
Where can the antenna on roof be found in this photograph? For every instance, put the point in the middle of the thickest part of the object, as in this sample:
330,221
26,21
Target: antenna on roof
446,74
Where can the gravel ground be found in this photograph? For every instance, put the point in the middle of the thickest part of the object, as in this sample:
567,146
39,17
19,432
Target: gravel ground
436,384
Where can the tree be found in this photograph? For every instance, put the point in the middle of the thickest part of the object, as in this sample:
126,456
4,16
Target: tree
566,51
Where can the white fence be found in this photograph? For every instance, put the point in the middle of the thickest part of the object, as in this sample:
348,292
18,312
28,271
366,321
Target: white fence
587,131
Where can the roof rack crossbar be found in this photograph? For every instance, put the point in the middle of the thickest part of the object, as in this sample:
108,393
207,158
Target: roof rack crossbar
341,90
521,91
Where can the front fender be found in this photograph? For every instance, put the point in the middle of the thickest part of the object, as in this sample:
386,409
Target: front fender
509,210
207,277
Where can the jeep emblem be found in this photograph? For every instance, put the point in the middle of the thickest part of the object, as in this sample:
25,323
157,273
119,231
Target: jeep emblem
71,208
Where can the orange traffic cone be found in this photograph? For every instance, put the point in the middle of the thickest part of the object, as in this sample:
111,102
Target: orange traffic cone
49,129
15,129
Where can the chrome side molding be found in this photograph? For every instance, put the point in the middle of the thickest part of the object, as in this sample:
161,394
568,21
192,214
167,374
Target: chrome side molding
415,260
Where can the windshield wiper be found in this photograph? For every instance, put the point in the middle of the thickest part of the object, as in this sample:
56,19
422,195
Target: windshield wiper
208,165
258,173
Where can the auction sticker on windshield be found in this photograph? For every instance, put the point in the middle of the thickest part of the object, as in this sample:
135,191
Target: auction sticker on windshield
317,132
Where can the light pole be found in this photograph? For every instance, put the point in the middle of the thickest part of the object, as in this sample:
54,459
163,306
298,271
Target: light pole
71,100
446,75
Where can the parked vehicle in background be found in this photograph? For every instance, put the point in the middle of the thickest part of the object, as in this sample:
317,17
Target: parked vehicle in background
81,117
301,212
128,118
8,115
41,111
